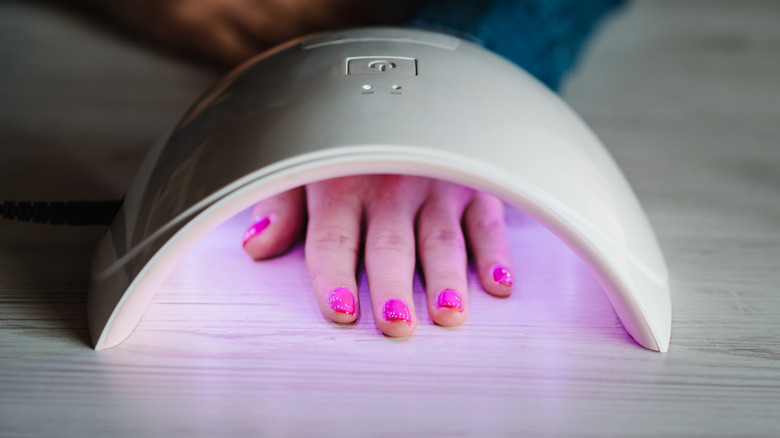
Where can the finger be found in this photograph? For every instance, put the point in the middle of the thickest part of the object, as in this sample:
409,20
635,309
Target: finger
443,256
226,43
203,30
267,23
486,231
332,243
195,27
390,254
276,224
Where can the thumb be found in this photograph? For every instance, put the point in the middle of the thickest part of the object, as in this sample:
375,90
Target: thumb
276,224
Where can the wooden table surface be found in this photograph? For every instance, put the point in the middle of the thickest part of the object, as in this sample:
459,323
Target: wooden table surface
686,95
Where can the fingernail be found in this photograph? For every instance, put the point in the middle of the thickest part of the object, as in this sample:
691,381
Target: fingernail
450,299
261,223
502,275
397,310
342,300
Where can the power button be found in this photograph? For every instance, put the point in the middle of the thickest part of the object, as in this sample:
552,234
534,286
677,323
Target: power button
381,65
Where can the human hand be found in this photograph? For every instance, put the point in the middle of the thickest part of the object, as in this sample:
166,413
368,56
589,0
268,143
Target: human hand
400,214
231,31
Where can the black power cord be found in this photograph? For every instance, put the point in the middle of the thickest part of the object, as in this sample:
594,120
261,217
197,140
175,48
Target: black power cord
61,213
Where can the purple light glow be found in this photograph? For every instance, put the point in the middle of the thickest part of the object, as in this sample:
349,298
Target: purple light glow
216,293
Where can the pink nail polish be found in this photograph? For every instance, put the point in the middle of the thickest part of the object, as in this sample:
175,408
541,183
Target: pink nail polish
502,275
397,310
261,223
342,300
449,299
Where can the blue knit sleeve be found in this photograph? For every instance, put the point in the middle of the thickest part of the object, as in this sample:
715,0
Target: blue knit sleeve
542,36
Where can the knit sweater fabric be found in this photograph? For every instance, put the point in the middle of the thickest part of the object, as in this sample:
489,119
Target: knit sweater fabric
544,37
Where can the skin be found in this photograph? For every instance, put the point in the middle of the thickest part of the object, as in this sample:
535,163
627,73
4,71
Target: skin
232,31
393,218
395,221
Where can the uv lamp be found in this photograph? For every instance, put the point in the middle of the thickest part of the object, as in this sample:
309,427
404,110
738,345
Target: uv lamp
371,101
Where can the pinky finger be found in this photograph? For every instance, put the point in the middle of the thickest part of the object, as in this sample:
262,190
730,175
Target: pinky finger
486,233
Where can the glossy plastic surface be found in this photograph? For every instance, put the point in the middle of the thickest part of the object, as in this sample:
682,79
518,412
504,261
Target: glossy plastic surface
294,116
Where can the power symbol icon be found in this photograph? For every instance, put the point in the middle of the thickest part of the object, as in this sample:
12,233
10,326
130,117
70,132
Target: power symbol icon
381,65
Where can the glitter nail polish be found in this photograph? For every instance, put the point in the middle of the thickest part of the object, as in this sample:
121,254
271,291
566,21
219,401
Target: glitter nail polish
502,275
449,299
342,300
396,310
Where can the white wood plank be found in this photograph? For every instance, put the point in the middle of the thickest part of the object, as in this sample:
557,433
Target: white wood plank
683,93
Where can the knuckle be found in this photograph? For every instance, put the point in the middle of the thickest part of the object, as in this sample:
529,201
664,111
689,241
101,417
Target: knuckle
492,225
390,241
332,238
450,239
185,12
